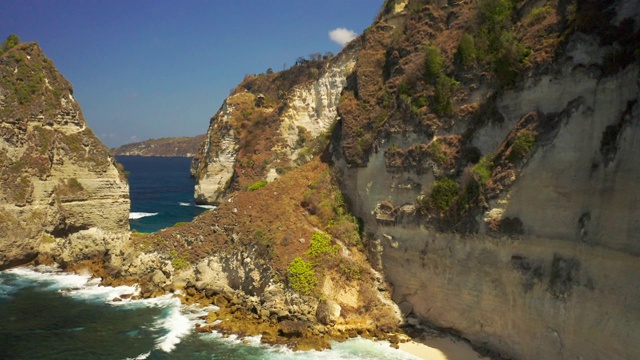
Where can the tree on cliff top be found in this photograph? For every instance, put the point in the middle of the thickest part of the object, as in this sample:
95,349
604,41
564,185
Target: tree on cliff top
11,41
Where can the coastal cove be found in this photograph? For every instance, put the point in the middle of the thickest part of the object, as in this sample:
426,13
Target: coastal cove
161,192
82,319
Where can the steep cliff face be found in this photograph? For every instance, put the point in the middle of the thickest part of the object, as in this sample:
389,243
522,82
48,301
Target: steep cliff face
504,207
489,148
269,124
62,194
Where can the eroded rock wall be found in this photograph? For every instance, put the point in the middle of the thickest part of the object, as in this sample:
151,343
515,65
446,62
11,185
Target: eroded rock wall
62,193
563,284
307,109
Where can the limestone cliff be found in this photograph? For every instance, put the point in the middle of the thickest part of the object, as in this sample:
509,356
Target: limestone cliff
489,148
173,146
62,193
504,203
269,125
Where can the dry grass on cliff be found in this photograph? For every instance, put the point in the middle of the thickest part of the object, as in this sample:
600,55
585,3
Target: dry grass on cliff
272,217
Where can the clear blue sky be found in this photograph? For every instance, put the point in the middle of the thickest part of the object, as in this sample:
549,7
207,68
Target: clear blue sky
148,69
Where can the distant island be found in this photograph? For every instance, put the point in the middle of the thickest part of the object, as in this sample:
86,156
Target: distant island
171,146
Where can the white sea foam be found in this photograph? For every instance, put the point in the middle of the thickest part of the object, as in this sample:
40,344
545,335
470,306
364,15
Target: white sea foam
184,204
53,278
140,357
177,324
209,207
173,322
352,349
139,215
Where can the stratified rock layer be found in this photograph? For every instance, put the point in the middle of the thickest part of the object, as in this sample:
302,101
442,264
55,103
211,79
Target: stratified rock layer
302,111
62,193
497,181
545,265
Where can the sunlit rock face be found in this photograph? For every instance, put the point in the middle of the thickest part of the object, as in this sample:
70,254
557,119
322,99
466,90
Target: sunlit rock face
62,193
310,107
545,265
498,192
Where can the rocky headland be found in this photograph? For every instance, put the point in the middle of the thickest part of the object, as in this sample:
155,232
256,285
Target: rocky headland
182,146
63,196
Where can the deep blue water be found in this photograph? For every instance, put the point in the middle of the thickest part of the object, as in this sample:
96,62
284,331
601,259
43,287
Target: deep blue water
47,314
161,191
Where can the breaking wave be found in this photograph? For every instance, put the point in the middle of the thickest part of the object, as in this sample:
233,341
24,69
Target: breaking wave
172,324
139,215
210,207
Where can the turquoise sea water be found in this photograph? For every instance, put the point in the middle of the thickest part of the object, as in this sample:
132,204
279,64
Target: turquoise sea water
48,314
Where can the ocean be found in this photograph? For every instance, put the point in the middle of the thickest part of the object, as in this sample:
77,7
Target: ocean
49,314
161,192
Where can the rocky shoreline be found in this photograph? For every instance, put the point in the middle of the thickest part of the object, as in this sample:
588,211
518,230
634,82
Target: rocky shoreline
301,328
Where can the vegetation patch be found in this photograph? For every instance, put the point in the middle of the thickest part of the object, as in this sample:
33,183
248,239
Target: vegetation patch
443,193
257,185
69,187
301,276
178,261
521,146
321,244
484,168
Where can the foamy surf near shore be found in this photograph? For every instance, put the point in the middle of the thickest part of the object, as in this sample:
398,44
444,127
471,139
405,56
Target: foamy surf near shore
171,325
140,215
208,207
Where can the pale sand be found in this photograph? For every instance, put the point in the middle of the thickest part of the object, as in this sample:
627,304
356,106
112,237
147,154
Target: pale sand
440,349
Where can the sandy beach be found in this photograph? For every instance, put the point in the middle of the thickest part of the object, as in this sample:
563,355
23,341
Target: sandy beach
440,349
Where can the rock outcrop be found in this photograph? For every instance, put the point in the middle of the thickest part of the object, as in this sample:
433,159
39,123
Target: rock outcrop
271,269
62,193
532,250
489,148
302,107
173,146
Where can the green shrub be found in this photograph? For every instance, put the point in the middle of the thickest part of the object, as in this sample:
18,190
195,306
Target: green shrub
351,271
510,59
442,97
302,278
404,89
303,136
494,41
321,244
521,146
11,41
443,193
178,262
74,185
538,14
257,185
466,53
436,152
434,64
484,168
181,223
